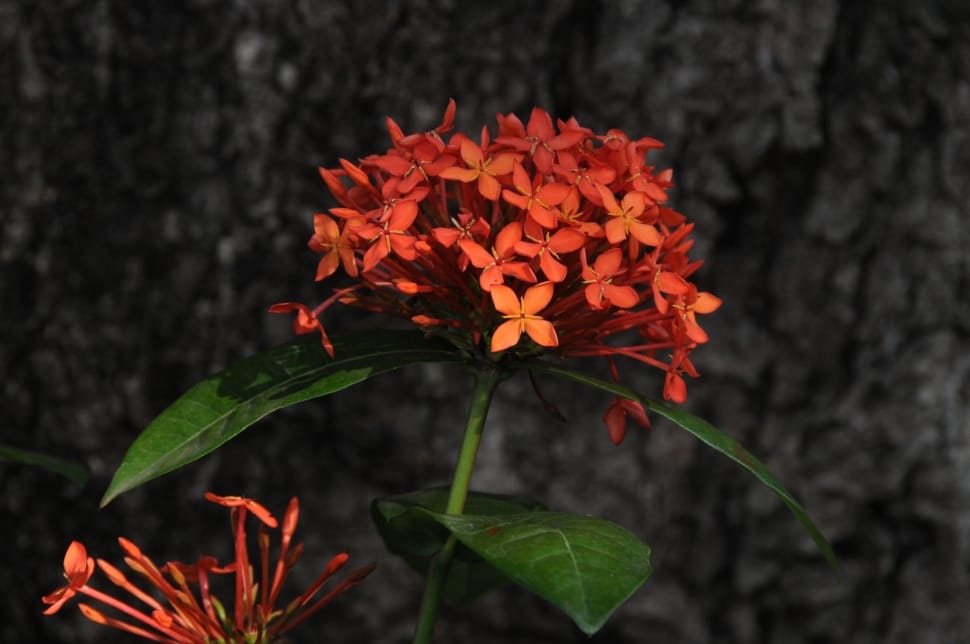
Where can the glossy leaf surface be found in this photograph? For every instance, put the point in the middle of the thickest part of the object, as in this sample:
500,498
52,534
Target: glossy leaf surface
585,566
219,408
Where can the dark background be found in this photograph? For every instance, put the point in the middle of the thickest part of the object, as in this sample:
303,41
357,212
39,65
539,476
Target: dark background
159,177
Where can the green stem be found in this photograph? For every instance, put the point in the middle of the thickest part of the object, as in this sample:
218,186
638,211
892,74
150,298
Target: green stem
486,380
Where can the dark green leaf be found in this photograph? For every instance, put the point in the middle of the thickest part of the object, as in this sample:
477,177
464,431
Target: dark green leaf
710,435
411,533
67,469
585,566
219,408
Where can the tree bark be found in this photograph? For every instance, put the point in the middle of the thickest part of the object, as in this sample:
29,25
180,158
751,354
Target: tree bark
157,197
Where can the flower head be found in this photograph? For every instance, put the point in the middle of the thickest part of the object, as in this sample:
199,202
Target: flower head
547,239
183,609
78,568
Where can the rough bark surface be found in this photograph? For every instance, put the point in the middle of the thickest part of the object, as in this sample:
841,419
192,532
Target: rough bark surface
158,186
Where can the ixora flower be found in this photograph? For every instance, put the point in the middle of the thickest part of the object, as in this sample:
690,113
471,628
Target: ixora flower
548,240
199,617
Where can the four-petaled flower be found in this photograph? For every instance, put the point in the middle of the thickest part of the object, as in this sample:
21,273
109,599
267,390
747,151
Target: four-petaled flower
549,249
483,168
522,315
599,280
625,218
335,245
692,304
536,197
390,235
499,262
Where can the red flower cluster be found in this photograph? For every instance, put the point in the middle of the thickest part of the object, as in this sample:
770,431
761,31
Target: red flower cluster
548,230
189,620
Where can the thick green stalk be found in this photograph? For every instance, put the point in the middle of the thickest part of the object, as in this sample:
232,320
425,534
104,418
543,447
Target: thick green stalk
485,383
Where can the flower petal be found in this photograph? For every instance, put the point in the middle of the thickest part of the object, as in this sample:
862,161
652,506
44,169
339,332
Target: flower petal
553,269
624,297
507,238
480,258
505,300
707,303
615,420
646,233
459,174
255,507
470,152
542,332
553,194
607,264
506,335
566,240
328,265
489,187
537,298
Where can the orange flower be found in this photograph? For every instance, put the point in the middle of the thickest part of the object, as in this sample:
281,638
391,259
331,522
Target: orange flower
195,616
392,235
617,414
249,505
564,240
599,280
498,263
626,218
78,568
305,321
538,138
535,196
688,308
522,315
335,246
485,169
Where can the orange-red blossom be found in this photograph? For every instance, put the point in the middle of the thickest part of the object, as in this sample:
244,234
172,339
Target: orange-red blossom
180,607
549,239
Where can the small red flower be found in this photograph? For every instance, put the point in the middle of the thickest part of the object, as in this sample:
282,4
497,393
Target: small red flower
538,138
564,240
626,218
522,315
334,244
617,414
305,321
78,568
249,505
599,279
499,262
390,236
688,308
485,169
535,196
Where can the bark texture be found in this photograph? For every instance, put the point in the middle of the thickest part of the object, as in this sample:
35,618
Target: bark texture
157,195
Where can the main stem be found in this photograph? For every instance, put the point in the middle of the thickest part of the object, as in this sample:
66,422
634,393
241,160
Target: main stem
486,380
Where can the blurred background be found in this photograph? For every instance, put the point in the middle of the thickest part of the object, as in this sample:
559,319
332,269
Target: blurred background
159,185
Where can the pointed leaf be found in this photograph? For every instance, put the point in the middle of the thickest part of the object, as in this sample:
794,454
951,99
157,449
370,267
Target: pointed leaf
219,408
411,533
68,469
710,435
585,566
